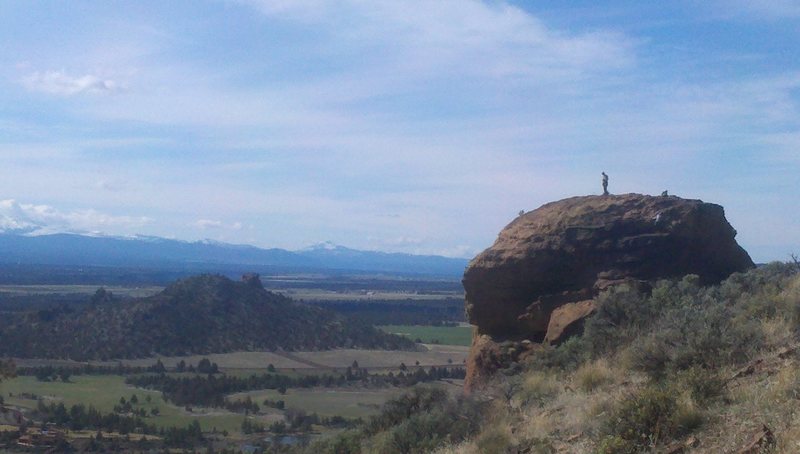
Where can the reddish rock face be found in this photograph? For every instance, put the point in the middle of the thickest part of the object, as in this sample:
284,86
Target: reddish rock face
567,251
567,320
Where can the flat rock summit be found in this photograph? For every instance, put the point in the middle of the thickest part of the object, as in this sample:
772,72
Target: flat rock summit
537,282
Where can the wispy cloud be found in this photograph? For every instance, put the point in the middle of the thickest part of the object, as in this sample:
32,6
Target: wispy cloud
63,84
210,224
469,36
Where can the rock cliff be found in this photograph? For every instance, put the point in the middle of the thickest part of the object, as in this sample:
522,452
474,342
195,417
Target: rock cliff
537,281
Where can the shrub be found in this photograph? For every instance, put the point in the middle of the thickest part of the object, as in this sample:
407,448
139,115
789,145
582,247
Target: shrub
347,442
622,313
395,411
703,385
706,334
649,417
592,376
495,439
417,422
565,357
614,444
649,355
644,416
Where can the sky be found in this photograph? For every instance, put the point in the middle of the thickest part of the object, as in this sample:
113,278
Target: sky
419,126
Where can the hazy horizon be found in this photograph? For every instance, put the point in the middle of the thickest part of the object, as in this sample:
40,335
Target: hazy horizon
418,127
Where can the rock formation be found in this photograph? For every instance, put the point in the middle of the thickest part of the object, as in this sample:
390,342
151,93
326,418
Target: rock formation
538,280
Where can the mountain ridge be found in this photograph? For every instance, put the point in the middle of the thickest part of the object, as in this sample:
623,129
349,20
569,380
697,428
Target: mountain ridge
85,250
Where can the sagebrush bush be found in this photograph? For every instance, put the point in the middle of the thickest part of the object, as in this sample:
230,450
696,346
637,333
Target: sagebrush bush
417,422
496,439
565,357
707,335
623,312
651,416
704,385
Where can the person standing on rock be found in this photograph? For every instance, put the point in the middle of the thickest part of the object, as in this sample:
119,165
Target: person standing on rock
605,183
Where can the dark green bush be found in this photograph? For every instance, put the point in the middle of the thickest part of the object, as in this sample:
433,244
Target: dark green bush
448,421
567,356
704,385
622,313
706,334
650,417
417,422
395,411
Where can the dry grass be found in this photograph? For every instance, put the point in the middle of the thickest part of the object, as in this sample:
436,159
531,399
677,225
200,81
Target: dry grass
566,417
785,384
788,441
592,376
778,332
537,388
467,447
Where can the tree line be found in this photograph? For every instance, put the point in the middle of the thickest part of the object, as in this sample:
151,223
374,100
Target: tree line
81,417
210,390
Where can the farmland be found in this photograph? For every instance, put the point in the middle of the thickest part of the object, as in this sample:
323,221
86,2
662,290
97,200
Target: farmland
323,391
105,391
445,335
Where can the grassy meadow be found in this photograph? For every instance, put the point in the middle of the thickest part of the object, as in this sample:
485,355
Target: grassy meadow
105,391
349,403
445,335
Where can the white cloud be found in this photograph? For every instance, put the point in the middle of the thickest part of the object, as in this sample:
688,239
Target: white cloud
63,84
42,219
209,224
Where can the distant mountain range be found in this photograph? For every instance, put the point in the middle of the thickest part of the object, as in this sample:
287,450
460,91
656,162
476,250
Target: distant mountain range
153,252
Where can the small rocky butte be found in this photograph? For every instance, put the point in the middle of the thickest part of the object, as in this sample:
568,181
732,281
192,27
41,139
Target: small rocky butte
537,282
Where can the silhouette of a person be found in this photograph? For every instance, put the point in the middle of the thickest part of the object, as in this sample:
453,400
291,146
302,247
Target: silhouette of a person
605,183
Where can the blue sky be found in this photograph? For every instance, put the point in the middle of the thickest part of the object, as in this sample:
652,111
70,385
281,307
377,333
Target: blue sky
417,126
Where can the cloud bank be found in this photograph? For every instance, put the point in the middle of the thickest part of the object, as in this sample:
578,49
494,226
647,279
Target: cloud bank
23,218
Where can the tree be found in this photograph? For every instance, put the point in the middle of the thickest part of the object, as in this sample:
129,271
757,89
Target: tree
101,296
7,369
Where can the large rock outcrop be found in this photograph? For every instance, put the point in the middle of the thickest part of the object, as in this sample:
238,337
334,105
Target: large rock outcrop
559,256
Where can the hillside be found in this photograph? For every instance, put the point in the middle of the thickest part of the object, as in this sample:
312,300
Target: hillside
202,314
668,341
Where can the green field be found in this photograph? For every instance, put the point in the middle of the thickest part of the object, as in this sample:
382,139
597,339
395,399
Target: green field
105,391
118,290
349,403
445,335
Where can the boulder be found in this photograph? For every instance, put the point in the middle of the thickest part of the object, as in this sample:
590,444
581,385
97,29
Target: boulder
566,250
567,320
537,280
